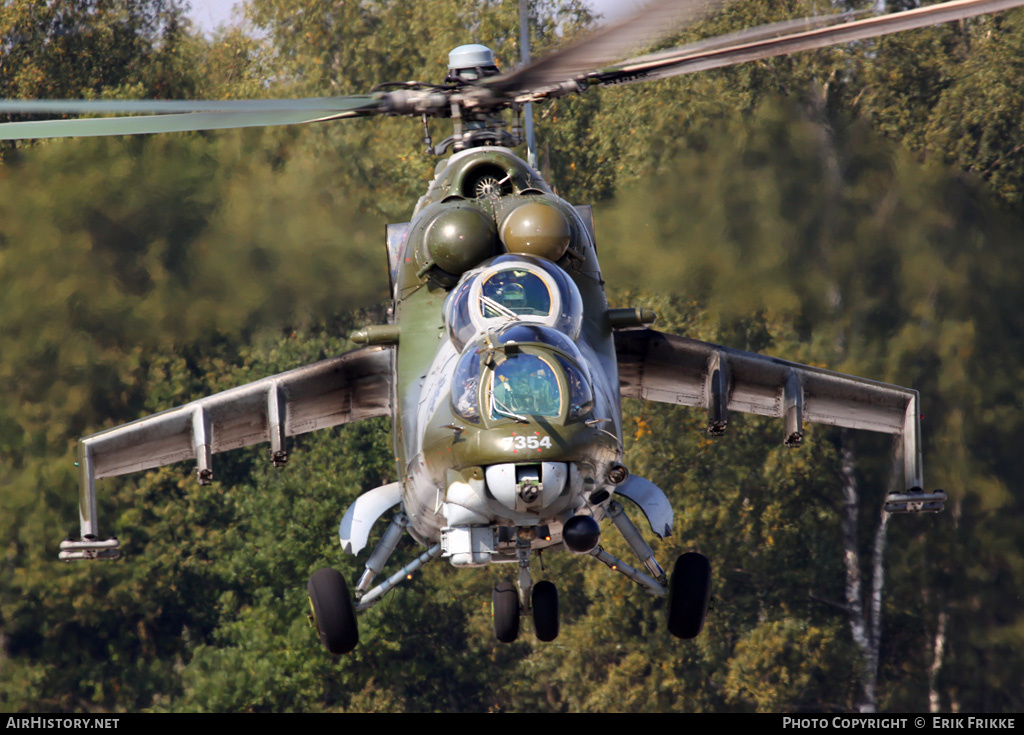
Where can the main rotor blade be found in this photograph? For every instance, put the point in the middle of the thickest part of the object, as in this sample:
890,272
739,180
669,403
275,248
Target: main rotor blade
694,58
648,26
165,123
156,107
750,35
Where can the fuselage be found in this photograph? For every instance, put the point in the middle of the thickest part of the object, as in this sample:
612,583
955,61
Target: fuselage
507,416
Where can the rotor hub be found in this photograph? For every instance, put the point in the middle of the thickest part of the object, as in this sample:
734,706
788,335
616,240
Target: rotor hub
470,63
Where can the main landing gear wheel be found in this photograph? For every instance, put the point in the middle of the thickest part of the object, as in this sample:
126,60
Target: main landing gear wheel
545,611
688,596
505,611
333,614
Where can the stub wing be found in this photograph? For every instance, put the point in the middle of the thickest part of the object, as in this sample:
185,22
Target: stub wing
670,369
338,390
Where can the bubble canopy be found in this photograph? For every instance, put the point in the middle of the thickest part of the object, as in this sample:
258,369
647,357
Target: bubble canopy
513,289
531,371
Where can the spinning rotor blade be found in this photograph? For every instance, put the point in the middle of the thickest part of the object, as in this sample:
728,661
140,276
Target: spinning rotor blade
189,115
646,27
563,72
698,57
160,106
750,35
157,107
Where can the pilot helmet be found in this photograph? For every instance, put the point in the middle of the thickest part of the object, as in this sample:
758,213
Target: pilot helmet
469,63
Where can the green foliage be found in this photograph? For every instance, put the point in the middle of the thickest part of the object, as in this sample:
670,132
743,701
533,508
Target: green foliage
86,48
783,665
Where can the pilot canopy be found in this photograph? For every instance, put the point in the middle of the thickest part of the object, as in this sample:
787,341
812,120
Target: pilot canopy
513,289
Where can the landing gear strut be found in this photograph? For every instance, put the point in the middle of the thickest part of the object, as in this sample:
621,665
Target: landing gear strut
509,600
334,614
688,591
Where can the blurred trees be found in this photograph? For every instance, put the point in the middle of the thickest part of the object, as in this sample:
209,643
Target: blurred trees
93,48
856,208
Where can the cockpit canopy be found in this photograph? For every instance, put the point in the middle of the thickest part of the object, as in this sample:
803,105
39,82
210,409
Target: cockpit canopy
513,289
525,385
519,334
521,371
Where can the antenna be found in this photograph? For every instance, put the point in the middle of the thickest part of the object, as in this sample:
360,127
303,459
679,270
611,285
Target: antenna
524,45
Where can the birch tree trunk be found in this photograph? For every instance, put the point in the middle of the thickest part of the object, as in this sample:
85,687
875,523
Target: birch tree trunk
938,651
938,642
865,619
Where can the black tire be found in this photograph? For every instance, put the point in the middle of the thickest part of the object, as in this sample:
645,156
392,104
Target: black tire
545,611
688,596
505,611
333,614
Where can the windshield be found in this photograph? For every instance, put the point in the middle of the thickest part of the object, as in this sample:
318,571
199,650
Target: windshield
522,382
514,292
525,385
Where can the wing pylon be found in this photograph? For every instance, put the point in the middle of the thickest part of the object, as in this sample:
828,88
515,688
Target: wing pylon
338,390
667,368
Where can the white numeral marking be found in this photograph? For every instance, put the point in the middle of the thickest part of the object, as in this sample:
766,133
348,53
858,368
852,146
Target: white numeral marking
509,443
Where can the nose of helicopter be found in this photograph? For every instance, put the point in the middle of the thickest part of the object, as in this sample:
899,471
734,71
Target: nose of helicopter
533,489
485,507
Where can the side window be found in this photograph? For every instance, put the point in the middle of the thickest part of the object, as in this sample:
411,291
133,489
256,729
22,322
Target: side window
581,396
456,314
465,382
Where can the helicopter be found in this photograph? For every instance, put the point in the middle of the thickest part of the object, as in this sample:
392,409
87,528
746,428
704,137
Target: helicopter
501,364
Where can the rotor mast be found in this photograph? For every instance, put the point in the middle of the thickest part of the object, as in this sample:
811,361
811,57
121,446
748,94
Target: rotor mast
524,45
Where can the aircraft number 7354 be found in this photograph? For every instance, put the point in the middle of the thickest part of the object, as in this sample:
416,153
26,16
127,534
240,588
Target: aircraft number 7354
525,442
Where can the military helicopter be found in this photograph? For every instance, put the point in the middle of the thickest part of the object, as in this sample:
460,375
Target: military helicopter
501,364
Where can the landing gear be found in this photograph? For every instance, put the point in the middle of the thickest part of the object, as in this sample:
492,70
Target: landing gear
545,611
509,599
333,614
505,611
688,596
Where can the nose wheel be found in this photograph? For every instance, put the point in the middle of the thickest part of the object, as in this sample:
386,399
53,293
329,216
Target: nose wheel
333,614
689,594
505,612
545,611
